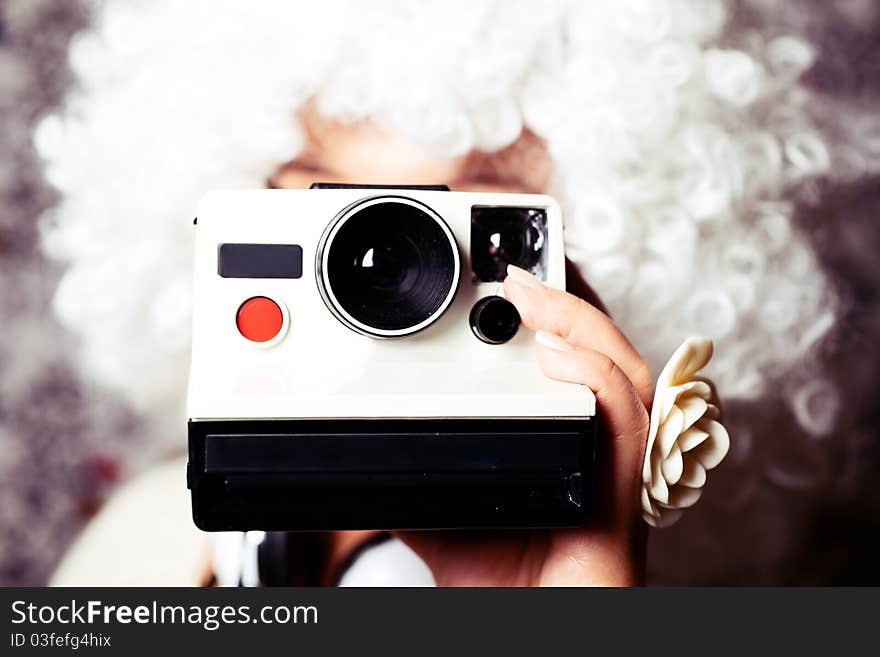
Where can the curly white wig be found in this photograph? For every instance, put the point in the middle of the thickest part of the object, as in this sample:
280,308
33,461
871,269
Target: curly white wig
676,151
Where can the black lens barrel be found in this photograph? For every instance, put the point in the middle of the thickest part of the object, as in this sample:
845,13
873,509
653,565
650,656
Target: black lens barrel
388,267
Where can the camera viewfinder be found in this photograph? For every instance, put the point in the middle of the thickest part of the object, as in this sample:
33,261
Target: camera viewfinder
507,235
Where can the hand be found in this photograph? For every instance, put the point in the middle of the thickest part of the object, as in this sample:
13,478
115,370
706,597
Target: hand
575,342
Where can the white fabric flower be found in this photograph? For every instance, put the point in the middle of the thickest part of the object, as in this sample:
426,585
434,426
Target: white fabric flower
686,438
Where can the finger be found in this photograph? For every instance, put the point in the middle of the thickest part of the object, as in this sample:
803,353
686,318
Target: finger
578,323
622,410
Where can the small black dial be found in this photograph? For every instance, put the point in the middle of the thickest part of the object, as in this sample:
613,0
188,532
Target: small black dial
494,320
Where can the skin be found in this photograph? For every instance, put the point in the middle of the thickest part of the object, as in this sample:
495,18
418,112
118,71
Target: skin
594,353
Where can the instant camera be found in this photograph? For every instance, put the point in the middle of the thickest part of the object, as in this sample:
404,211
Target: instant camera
355,364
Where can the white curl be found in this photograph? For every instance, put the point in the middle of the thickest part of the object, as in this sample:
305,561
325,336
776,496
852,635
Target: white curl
733,76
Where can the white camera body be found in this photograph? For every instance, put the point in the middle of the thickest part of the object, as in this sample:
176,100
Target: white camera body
314,359
316,367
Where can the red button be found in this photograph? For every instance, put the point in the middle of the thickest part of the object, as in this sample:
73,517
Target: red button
259,319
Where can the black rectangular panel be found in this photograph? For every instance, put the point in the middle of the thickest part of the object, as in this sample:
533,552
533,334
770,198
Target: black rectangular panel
392,452
391,474
260,260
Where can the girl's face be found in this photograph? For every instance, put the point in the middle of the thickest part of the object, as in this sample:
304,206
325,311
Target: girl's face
363,153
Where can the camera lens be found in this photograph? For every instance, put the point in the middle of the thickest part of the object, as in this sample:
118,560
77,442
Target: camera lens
494,320
388,267
506,235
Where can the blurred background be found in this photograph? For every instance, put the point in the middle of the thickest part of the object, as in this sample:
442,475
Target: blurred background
752,147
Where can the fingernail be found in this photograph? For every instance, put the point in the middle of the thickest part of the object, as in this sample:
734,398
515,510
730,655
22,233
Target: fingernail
552,341
522,276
